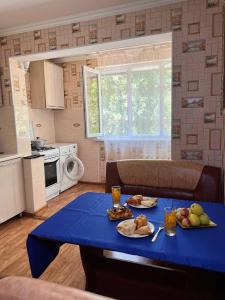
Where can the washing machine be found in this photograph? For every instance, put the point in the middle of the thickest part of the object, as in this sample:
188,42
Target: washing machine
71,167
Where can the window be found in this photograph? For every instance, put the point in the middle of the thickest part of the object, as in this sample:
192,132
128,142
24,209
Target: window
129,101
92,102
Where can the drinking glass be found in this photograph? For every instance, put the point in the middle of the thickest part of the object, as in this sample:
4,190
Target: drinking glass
116,193
170,221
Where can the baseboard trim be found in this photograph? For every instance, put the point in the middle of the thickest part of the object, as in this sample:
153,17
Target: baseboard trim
89,182
32,215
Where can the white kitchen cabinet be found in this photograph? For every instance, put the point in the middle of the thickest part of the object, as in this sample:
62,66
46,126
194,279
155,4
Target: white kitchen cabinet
12,200
34,177
46,80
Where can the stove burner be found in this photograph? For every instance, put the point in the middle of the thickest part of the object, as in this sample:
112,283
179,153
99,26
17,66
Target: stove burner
43,149
47,148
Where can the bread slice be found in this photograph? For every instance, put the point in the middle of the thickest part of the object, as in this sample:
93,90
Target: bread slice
149,202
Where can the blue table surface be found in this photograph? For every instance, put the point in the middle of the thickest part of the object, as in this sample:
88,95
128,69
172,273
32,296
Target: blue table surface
84,222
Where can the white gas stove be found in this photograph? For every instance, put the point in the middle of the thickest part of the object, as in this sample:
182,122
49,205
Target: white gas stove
51,166
48,152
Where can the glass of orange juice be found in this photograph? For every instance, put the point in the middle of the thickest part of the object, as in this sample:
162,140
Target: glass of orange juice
170,221
116,194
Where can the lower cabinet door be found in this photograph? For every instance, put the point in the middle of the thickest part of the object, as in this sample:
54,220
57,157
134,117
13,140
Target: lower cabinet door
7,199
19,193
11,189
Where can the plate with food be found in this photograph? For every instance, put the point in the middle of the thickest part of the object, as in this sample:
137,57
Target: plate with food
119,213
193,217
136,228
139,201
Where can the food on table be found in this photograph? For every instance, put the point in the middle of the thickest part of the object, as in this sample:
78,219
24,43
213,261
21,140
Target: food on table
140,221
196,209
130,227
135,200
179,216
127,227
120,212
186,222
184,212
204,219
149,202
193,216
143,230
140,200
194,220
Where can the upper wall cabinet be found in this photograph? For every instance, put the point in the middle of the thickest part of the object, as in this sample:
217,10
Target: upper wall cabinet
46,80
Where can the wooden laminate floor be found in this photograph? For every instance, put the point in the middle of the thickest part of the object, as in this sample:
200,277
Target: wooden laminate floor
66,268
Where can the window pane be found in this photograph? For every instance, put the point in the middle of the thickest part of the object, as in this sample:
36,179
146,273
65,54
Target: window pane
92,102
146,102
114,104
167,101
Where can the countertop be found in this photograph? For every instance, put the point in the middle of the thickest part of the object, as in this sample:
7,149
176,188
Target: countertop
8,156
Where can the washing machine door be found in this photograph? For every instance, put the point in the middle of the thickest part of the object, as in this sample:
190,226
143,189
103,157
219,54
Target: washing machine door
73,168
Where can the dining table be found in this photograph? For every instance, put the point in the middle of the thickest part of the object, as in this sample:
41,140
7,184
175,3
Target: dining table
85,222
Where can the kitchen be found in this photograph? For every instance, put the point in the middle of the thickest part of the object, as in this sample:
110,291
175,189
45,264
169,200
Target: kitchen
35,83
190,126
49,170
68,125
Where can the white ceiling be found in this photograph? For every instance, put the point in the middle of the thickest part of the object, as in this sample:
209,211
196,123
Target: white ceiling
15,13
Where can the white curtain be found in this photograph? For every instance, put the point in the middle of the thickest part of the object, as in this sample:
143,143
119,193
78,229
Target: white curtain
116,149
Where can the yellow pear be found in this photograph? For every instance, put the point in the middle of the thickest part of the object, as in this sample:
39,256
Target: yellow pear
194,220
196,209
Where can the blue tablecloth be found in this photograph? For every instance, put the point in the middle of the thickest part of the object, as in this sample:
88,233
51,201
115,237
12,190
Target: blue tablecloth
84,222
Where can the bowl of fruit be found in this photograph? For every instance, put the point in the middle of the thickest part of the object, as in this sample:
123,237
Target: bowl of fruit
193,217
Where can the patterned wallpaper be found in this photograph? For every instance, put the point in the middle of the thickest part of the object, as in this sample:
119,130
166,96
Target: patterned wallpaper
197,27
73,82
21,109
72,71
135,54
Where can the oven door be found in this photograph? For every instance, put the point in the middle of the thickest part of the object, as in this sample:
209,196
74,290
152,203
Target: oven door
51,172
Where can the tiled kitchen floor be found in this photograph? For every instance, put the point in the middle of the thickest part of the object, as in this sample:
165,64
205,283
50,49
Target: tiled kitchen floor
66,268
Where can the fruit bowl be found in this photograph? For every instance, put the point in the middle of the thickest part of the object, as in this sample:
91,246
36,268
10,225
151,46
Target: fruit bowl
193,217
211,224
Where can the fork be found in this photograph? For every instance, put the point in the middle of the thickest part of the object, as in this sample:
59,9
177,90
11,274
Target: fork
157,233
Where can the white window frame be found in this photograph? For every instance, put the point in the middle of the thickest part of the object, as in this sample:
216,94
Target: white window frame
86,114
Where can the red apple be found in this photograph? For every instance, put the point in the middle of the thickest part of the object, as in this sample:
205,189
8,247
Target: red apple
185,222
179,216
184,212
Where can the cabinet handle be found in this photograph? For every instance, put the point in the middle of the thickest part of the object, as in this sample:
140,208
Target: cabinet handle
55,107
51,106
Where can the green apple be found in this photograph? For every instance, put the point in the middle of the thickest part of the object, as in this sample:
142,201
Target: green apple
194,220
196,209
204,219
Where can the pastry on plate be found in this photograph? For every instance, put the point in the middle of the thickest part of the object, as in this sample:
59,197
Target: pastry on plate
137,226
149,202
135,200
127,228
120,212
140,221
143,230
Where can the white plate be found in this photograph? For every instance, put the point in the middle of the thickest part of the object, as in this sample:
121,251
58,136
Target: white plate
143,206
135,235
